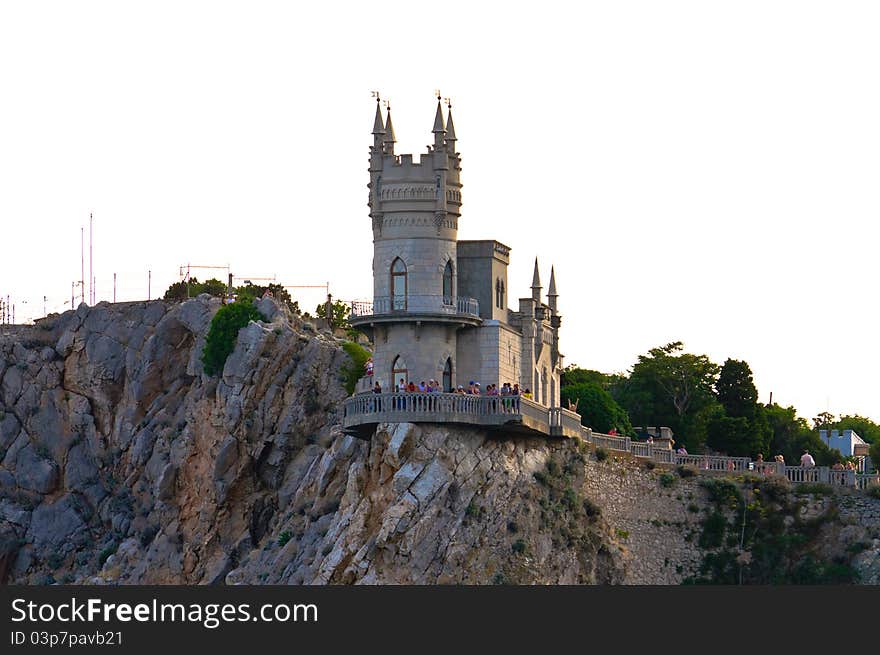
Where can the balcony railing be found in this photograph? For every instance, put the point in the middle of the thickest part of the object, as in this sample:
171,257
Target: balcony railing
385,305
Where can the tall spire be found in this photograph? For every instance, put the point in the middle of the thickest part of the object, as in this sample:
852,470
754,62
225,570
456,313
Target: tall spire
439,128
536,283
450,128
552,295
378,124
389,139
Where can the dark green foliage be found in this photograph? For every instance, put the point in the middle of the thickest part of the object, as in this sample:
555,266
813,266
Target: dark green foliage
601,454
686,471
672,388
180,291
874,492
340,313
284,538
667,480
757,535
597,408
573,375
519,547
223,332
736,389
864,427
354,370
255,291
106,553
874,452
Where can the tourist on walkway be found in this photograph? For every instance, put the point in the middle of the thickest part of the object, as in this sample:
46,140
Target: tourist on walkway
369,367
807,460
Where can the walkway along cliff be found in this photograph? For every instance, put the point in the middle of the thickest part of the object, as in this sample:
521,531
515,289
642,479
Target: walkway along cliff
121,462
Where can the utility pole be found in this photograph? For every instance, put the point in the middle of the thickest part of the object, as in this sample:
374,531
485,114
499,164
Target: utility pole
149,282
44,305
114,287
82,264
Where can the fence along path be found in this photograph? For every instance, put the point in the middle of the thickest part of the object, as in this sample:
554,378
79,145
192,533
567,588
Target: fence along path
795,474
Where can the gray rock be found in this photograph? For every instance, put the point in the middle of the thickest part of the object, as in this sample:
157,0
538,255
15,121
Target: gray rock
35,473
81,469
165,486
268,308
9,429
58,523
226,458
106,357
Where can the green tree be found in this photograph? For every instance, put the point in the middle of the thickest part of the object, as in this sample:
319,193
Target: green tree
574,375
597,408
668,387
824,421
282,295
874,453
736,389
340,313
791,436
864,427
223,332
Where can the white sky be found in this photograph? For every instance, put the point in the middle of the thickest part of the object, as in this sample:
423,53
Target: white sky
700,171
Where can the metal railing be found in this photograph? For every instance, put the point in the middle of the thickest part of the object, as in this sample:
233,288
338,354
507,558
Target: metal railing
412,304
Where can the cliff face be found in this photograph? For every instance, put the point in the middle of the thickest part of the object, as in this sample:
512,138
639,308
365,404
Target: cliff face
123,463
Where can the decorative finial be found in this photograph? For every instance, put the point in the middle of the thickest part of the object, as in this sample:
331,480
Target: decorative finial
437,93
448,102
375,94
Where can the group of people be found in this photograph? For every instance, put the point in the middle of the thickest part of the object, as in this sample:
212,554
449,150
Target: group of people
473,389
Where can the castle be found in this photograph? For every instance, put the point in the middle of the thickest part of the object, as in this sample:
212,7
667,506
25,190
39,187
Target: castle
439,309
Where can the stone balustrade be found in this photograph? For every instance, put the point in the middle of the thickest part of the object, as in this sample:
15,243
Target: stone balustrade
517,414
416,304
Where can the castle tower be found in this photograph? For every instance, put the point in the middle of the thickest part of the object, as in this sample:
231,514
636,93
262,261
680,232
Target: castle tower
415,207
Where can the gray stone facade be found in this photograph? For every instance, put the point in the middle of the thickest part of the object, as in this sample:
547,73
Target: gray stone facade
441,306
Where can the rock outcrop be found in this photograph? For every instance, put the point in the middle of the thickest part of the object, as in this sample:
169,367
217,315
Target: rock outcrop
122,462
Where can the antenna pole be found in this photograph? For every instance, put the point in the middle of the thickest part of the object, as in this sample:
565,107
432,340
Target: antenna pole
91,266
82,264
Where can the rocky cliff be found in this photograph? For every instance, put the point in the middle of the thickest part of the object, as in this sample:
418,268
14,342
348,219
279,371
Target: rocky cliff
123,463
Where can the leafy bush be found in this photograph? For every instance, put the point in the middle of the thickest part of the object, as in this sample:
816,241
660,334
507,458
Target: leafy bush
106,553
597,408
601,454
686,471
223,332
519,547
284,538
874,491
814,488
667,480
354,370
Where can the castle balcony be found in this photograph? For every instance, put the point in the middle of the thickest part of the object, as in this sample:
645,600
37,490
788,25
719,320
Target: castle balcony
512,414
434,309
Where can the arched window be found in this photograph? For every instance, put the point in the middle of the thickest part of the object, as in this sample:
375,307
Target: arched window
447,284
447,376
398,285
399,373
499,294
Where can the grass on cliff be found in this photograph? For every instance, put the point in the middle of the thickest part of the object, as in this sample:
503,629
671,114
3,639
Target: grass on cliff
223,332
354,370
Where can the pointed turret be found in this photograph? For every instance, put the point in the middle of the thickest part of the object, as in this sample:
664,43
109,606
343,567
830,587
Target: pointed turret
450,130
389,139
378,124
552,295
378,128
439,128
536,283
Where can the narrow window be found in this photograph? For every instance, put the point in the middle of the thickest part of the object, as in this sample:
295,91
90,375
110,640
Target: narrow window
447,376
398,285
447,284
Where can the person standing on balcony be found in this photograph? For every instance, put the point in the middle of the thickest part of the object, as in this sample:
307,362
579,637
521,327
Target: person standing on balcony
369,367
807,460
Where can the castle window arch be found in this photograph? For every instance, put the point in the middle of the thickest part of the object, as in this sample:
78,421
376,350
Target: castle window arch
398,285
448,286
447,376
499,293
399,373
